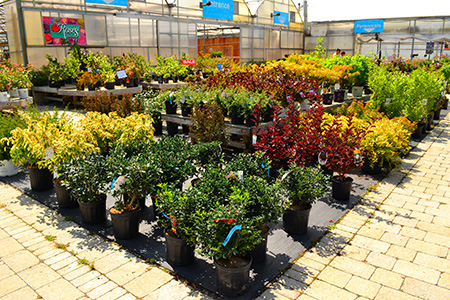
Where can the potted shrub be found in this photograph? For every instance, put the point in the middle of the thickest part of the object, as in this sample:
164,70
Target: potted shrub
208,124
361,66
89,79
152,106
33,144
341,143
5,83
385,142
56,72
8,122
177,210
135,176
304,186
227,235
88,180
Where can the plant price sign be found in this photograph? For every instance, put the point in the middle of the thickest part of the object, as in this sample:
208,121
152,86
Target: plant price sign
64,31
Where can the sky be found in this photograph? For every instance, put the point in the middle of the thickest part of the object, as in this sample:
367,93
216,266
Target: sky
330,10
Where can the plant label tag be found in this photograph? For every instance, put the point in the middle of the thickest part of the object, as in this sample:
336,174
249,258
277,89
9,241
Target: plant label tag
388,101
254,139
424,101
227,239
89,69
183,99
322,158
219,66
241,176
284,176
337,87
121,74
49,154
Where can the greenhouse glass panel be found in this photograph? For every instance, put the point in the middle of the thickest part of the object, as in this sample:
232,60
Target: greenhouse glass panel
246,43
118,31
447,25
184,41
119,51
397,26
341,42
95,30
246,32
34,33
341,28
134,26
319,29
166,52
165,40
147,32
246,54
429,26
164,27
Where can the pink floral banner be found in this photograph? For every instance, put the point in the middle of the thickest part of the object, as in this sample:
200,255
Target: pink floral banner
64,31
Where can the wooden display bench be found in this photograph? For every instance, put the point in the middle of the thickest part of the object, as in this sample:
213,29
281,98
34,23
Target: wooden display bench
242,131
164,86
69,93
16,102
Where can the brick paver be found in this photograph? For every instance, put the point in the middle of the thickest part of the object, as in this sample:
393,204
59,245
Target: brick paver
393,245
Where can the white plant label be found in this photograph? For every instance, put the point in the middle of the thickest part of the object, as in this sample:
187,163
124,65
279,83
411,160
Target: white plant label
183,99
424,101
121,74
241,176
388,101
254,139
337,87
49,154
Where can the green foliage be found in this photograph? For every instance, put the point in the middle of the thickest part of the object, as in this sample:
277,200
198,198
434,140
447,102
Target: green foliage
151,103
208,123
304,185
8,122
87,178
207,153
252,164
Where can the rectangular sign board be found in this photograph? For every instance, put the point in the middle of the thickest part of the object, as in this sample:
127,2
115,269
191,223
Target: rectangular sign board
123,3
369,26
219,9
189,62
63,31
282,19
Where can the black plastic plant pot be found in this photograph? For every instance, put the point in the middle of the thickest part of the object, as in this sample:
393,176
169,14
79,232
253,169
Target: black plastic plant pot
91,87
371,170
178,252
109,85
339,96
158,128
125,224
172,128
430,123
237,119
418,133
63,196
185,129
93,212
327,98
340,190
267,116
160,81
232,282
437,114
445,104
259,252
40,179
171,107
185,110
296,221
166,79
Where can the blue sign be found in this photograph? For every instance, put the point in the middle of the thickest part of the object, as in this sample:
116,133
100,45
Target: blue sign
219,9
109,2
282,19
369,26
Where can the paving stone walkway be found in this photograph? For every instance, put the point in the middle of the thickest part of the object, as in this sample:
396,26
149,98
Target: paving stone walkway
393,245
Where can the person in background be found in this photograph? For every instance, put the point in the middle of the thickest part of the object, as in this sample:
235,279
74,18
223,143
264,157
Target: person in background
342,53
338,52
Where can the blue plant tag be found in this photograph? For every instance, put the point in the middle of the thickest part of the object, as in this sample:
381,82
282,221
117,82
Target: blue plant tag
170,99
268,171
235,227
219,66
112,184
165,216
263,166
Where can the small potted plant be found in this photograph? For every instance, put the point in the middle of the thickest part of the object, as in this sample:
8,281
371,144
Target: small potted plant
8,122
152,106
177,210
5,84
304,186
88,181
135,176
341,143
208,124
88,79
226,234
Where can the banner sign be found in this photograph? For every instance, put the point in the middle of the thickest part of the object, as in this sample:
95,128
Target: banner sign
189,62
369,26
123,3
219,9
282,19
64,31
